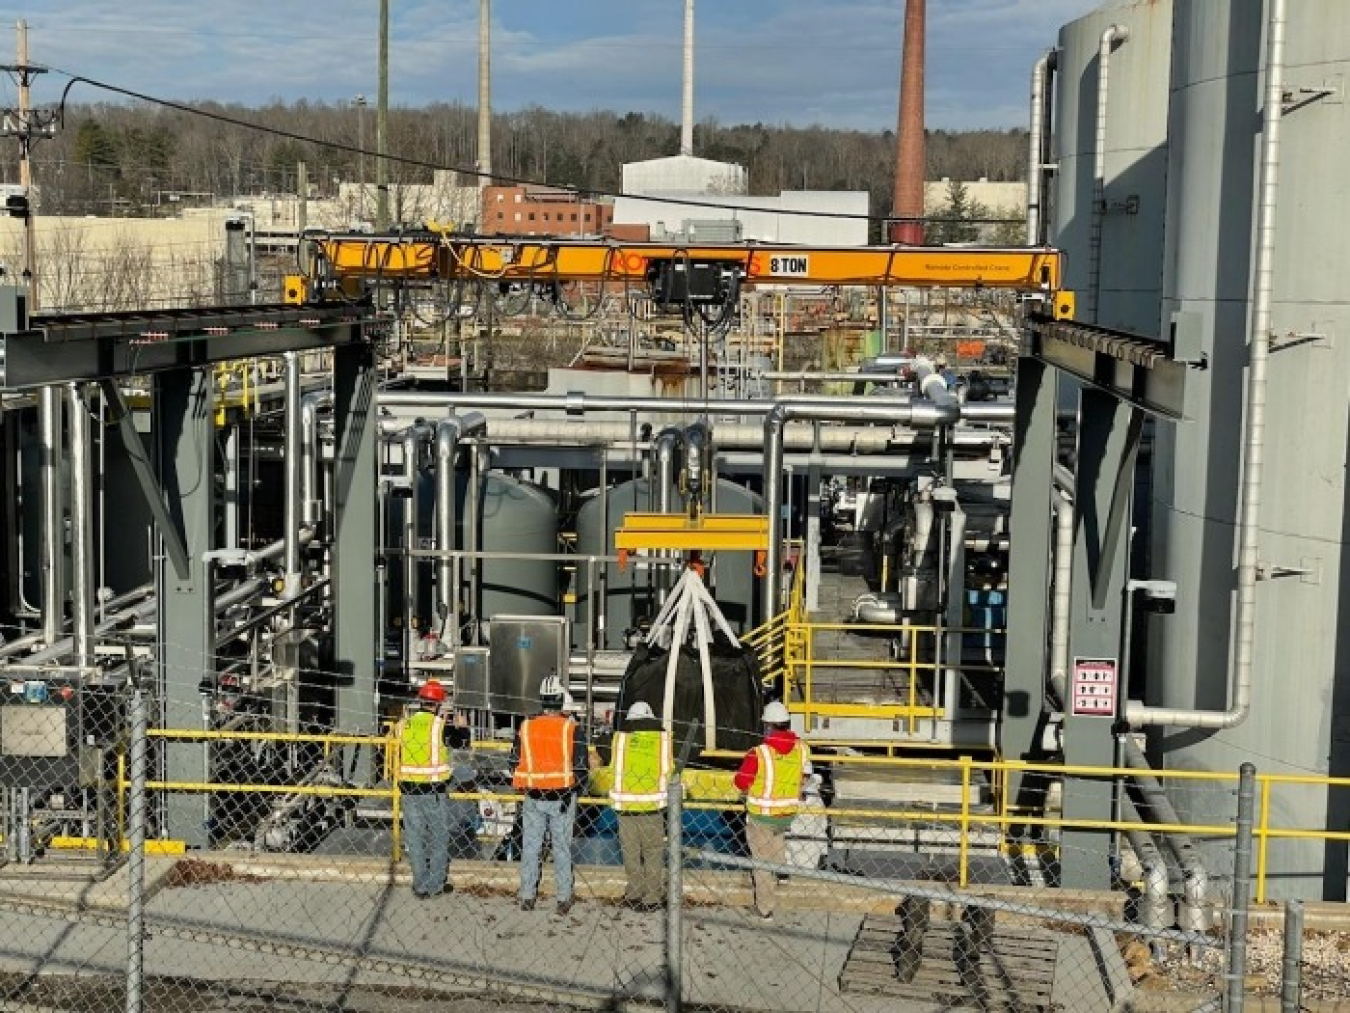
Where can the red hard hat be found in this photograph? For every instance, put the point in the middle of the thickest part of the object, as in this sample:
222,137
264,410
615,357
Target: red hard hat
432,691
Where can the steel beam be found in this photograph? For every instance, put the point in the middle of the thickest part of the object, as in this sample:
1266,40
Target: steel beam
1133,368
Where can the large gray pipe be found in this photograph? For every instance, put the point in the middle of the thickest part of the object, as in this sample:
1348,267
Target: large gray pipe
833,410
1193,914
448,434
82,527
1253,451
53,523
414,437
1111,37
697,448
1156,910
293,466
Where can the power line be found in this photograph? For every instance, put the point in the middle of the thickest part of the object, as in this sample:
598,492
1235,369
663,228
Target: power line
472,172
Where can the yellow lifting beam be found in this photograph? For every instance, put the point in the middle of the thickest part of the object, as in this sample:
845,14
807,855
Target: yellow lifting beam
430,257
704,533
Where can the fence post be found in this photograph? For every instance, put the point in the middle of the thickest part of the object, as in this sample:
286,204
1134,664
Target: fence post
1292,987
136,818
1242,889
674,893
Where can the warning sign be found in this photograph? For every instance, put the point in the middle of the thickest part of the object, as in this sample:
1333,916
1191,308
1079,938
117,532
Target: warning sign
1093,691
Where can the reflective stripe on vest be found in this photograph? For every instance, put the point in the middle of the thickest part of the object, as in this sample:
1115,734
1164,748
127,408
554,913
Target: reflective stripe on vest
777,787
642,765
422,755
546,745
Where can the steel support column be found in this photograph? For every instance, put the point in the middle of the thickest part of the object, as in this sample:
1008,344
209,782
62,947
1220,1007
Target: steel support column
358,639
1108,441
184,443
1024,707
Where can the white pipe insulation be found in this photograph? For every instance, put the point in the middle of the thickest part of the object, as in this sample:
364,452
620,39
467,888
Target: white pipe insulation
1111,37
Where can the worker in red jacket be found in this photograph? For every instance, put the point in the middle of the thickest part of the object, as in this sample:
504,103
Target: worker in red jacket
771,777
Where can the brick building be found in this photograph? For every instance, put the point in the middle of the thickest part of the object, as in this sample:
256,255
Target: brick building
541,211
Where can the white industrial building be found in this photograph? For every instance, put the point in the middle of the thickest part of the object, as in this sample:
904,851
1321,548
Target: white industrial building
835,218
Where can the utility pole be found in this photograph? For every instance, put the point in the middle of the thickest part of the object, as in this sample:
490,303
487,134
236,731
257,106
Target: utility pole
27,124
382,126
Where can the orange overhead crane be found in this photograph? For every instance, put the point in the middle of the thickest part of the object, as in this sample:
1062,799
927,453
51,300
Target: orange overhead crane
677,273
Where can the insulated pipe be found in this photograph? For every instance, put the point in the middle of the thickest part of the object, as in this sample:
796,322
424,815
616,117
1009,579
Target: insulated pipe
82,528
309,454
1156,910
1253,451
413,439
294,451
448,434
576,403
1111,37
1193,914
667,446
696,465
1042,88
837,410
1062,596
53,524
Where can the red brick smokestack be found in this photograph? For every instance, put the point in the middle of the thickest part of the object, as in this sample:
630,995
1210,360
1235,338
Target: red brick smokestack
907,208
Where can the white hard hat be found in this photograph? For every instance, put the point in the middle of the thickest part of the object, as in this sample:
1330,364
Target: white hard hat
552,692
776,713
641,709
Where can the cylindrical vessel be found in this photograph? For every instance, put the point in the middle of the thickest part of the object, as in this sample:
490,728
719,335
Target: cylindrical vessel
1299,720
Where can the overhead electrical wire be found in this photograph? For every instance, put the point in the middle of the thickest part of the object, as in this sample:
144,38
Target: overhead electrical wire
465,170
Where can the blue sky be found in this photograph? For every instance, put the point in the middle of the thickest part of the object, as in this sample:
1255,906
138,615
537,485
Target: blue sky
832,62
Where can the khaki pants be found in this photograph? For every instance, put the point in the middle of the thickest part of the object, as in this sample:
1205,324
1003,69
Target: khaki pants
642,836
766,845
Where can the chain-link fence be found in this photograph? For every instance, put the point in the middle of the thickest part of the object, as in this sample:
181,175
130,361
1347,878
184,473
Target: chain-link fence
894,884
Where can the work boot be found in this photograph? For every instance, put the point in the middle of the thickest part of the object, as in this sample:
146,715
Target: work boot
565,906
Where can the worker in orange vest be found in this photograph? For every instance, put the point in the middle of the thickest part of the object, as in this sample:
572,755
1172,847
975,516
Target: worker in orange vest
771,776
550,758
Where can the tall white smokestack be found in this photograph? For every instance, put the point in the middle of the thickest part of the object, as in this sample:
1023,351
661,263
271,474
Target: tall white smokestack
687,109
484,92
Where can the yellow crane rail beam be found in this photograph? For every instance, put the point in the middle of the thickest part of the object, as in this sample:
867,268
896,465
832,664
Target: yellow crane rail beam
427,258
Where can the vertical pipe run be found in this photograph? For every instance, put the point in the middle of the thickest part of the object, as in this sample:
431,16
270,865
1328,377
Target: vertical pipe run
448,434
1253,451
82,528
1042,74
1111,37
53,521
293,460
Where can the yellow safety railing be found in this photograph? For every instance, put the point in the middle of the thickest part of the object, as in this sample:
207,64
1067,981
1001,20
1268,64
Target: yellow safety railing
970,817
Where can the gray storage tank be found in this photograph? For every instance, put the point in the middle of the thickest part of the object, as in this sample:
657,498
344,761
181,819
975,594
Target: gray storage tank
518,517
1299,720
634,594
1119,286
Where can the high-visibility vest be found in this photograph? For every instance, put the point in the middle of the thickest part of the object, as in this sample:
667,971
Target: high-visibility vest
422,754
777,787
546,744
642,764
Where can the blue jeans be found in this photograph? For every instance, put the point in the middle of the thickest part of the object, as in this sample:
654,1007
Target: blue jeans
552,816
426,835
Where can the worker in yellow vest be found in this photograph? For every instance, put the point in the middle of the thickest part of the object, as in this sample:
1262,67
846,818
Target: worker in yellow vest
642,764
424,766
771,776
549,759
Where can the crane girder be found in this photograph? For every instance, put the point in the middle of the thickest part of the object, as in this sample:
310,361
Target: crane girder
430,257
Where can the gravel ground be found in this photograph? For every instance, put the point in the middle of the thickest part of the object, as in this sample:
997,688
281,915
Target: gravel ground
1325,966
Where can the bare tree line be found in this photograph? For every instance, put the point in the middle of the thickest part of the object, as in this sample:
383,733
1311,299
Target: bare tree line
146,160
